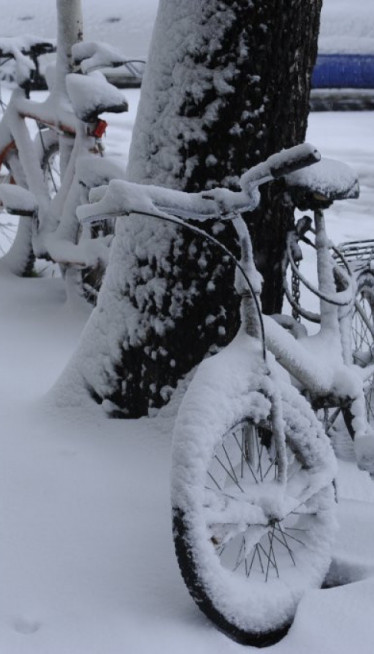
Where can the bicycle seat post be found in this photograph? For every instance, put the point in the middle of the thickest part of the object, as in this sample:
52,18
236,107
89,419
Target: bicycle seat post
325,272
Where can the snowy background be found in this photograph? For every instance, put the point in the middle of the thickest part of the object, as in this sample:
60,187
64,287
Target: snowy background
86,555
347,26
125,24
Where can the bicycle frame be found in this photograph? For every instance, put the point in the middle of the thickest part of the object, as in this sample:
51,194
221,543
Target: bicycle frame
237,410
320,364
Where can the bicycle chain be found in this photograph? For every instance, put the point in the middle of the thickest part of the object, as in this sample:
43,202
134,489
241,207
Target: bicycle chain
295,280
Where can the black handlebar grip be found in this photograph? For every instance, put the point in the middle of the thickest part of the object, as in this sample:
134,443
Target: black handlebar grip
300,156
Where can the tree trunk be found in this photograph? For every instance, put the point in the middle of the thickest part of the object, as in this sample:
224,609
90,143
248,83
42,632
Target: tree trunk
227,84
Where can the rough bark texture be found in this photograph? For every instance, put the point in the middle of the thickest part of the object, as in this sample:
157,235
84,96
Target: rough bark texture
232,89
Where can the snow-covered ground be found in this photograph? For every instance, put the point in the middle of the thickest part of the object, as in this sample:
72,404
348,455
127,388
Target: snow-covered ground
86,554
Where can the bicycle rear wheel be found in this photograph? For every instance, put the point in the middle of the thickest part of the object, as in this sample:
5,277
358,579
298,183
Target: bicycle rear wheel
363,334
246,557
16,253
16,249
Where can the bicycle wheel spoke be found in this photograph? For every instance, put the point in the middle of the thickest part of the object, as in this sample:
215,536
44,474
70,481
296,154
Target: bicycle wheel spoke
249,568
283,541
267,555
230,464
214,481
222,493
245,459
271,465
222,549
228,473
297,540
240,558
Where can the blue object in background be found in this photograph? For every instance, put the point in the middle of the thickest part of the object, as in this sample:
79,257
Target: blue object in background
343,71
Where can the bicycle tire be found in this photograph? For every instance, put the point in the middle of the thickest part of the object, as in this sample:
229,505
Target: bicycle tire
16,231
250,605
16,254
362,337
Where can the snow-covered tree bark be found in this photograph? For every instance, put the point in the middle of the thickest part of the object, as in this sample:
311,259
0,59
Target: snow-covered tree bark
227,84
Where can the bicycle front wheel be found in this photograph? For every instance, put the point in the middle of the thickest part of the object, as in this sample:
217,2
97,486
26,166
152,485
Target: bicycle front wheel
246,556
363,334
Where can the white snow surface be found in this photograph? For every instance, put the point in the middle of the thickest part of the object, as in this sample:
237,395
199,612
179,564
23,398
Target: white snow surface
86,554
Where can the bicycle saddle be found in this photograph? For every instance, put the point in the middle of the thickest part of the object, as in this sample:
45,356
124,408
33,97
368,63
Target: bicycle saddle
91,95
319,185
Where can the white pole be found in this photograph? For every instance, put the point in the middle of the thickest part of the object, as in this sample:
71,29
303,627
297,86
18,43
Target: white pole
69,31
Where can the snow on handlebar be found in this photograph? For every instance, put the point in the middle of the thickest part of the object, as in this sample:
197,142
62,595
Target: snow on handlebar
24,50
121,198
280,164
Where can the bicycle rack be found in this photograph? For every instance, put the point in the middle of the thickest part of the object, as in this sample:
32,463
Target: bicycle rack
358,253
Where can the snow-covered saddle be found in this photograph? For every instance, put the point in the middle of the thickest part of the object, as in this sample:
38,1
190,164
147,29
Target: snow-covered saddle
319,185
91,95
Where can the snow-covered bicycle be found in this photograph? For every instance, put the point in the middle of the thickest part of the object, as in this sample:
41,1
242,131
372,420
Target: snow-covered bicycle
47,161
360,257
253,470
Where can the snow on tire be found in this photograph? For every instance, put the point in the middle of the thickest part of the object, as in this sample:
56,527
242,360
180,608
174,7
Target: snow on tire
16,252
247,553
15,231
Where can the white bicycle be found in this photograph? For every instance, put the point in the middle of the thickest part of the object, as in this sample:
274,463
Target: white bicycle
252,469
51,154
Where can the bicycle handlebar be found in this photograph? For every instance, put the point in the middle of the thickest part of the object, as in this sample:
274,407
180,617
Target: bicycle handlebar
93,55
25,51
280,164
123,198
28,46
